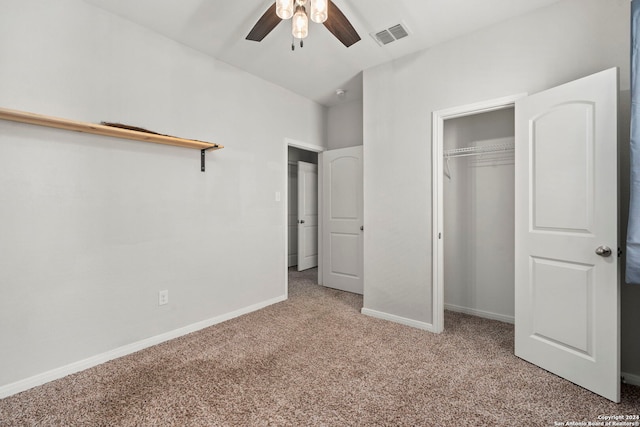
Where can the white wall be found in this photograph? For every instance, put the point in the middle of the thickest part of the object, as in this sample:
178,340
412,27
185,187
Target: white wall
551,46
93,227
344,125
479,203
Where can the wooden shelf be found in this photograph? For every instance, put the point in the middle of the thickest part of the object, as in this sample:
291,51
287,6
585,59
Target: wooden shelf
55,122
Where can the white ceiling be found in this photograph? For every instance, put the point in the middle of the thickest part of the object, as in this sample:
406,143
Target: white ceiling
219,27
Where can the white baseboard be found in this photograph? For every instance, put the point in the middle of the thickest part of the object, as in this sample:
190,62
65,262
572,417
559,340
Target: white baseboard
630,378
397,319
480,313
81,365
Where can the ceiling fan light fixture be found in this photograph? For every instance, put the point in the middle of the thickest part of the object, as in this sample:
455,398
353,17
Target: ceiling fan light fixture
300,10
300,27
319,11
284,8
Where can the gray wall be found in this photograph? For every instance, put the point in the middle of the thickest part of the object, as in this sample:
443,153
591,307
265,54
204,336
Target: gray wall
479,202
548,47
344,125
93,227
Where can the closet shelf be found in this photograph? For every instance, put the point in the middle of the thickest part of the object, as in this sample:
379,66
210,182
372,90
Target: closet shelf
55,122
478,150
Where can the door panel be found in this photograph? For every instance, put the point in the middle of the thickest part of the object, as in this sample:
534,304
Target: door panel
566,312
308,215
344,191
555,287
343,219
563,173
344,250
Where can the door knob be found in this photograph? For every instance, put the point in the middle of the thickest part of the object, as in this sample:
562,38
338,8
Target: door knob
302,221
604,251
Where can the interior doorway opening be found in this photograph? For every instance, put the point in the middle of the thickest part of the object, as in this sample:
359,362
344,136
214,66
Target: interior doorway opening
442,169
302,208
333,217
293,152
479,214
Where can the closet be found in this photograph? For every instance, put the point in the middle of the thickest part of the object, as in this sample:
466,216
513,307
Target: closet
478,196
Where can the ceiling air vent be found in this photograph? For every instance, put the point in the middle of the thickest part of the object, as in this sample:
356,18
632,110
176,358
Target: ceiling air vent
391,34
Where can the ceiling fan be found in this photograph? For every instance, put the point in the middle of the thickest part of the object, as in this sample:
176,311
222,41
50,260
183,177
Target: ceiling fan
321,11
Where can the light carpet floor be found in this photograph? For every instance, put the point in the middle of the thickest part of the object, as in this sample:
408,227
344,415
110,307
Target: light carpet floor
315,360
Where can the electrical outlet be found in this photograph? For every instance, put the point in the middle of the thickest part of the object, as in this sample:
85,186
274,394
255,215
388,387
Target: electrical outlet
163,297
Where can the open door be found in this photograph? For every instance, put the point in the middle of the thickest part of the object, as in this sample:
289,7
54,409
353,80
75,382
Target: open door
342,226
307,216
566,266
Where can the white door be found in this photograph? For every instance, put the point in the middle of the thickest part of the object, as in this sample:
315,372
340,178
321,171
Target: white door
292,219
566,296
307,216
342,219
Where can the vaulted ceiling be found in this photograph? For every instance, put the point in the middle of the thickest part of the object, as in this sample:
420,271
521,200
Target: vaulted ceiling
219,27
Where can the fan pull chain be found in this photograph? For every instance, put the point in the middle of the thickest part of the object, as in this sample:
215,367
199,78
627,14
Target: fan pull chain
293,44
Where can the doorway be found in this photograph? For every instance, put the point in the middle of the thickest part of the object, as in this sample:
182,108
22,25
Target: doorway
339,227
302,208
479,214
439,164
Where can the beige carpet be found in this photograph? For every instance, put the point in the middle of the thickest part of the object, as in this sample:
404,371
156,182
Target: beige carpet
315,360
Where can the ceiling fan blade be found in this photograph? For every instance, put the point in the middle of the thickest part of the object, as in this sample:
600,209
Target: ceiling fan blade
340,26
265,24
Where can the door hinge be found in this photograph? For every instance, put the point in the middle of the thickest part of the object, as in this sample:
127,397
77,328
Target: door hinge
619,252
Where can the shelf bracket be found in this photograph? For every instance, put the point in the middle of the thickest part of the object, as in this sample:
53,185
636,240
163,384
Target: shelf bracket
203,156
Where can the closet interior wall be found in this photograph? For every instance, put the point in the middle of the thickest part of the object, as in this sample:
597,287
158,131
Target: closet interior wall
479,216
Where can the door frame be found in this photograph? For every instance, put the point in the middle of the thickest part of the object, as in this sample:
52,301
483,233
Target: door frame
437,194
288,142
